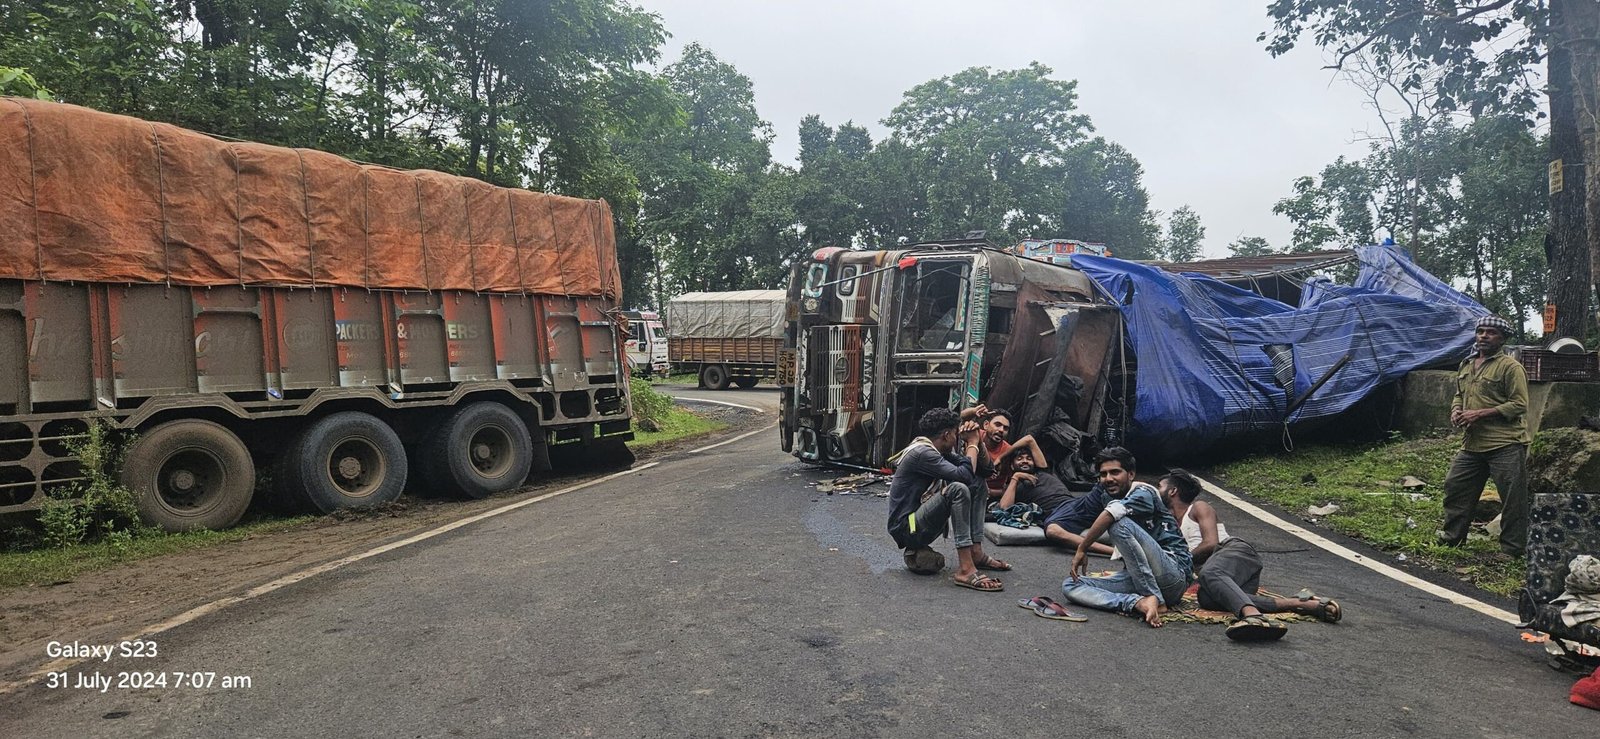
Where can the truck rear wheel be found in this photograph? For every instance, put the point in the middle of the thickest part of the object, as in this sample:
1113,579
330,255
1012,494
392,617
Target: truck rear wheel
746,381
188,475
481,449
346,460
714,376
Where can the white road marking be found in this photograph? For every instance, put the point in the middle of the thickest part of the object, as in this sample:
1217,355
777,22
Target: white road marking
1367,562
763,429
290,579
720,402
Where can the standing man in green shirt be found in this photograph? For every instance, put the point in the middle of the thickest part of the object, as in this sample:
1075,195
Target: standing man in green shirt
1491,401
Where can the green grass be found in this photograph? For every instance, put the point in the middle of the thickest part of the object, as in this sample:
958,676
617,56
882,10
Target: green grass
686,378
1381,515
678,424
52,565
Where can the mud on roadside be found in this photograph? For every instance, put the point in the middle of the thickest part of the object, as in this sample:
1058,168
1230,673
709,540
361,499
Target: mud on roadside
110,604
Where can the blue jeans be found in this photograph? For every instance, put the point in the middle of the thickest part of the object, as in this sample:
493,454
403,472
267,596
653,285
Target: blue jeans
1147,570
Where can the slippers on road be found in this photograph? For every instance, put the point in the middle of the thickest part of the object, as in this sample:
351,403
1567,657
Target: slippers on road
1256,629
979,581
1034,602
1057,612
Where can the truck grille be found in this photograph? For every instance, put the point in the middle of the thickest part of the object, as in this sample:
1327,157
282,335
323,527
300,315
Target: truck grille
840,368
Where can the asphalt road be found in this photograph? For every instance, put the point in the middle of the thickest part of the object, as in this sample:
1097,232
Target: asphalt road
718,594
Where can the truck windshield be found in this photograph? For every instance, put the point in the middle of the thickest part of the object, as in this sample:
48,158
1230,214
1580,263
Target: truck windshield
933,307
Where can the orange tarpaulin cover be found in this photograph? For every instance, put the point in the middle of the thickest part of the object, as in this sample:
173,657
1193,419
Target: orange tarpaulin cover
91,196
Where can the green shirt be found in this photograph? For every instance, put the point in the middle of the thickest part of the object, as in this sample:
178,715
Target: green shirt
1500,383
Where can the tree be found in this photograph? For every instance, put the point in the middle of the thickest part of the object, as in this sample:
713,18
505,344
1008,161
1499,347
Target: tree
1477,55
1184,235
1250,246
1097,194
987,140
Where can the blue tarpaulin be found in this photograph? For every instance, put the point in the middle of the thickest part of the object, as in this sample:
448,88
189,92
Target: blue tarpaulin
1207,351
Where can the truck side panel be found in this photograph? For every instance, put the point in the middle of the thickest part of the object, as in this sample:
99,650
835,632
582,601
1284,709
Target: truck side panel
125,353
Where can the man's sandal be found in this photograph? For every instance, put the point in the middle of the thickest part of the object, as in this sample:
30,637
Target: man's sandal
994,565
1256,629
1034,602
1328,610
979,581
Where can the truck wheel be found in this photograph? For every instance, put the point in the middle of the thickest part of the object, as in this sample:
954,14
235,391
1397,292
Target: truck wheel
714,376
481,449
188,475
746,381
346,460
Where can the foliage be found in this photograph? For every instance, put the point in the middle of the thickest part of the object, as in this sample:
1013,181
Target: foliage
650,406
1467,201
1250,246
27,566
18,82
1184,235
97,508
678,425
1372,507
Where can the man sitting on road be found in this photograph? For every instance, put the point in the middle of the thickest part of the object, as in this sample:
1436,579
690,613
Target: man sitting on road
1156,564
1033,482
933,486
995,424
1229,568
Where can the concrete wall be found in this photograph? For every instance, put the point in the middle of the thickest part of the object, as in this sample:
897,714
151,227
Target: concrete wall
1425,402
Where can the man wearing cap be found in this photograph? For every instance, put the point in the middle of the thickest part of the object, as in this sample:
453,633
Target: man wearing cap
1491,401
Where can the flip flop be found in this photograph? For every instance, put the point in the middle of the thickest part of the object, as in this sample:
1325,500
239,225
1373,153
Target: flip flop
1057,612
1034,602
979,581
993,565
1256,629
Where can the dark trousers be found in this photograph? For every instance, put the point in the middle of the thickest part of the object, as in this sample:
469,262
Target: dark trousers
1464,485
1230,578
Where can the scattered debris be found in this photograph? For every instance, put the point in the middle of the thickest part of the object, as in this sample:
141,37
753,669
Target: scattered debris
1413,497
1323,510
851,484
1409,482
1534,637
1411,523
1308,479
1401,556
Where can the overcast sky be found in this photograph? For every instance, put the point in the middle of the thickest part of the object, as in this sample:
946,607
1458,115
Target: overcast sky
1183,84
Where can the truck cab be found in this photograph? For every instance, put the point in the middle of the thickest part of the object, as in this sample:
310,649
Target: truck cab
876,338
647,343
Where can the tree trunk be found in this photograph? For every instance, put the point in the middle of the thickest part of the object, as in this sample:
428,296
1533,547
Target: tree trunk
1568,247
1582,41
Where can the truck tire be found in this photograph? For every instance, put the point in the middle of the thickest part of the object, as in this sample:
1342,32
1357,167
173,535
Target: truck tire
481,449
189,474
714,376
346,460
746,381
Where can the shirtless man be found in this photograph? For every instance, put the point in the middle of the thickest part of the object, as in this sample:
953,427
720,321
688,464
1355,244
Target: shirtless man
1230,569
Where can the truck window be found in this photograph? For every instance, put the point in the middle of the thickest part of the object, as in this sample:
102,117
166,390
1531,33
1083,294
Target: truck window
933,308
848,286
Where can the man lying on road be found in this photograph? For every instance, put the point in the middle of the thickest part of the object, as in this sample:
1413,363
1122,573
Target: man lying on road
1156,564
933,486
1229,568
1033,482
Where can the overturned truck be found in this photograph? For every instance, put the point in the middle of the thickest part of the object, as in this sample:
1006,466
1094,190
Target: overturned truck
876,338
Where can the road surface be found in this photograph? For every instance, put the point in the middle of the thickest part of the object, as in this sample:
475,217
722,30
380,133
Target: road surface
719,594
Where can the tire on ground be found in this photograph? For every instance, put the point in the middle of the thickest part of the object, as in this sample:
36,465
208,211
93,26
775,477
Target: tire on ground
345,460
746,381
189,474
714,376
481,449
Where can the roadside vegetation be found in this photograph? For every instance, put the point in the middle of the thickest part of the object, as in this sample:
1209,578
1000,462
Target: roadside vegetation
95,524
1365,482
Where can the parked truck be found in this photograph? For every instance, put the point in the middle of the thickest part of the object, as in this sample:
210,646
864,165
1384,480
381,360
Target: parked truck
238,308
876,338
726,337
647,343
